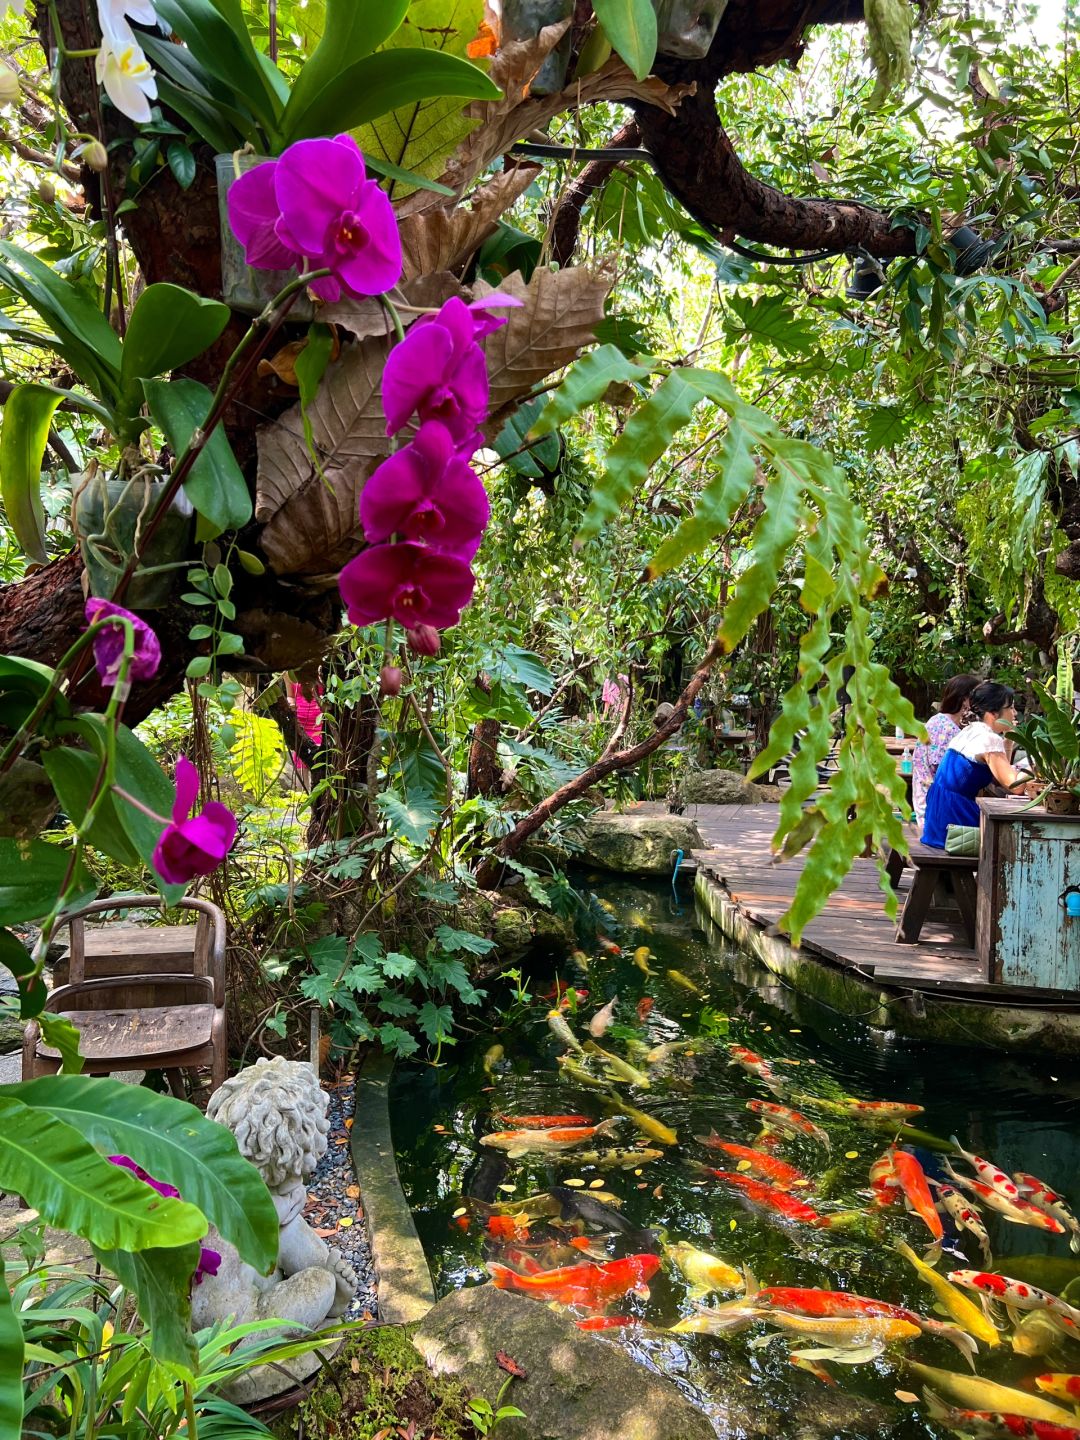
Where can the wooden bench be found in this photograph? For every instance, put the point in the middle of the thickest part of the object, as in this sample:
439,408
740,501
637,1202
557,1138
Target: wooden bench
931,866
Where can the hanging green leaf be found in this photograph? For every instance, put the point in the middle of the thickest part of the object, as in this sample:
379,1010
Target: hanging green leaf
630,25
11,1362
216,485
74,777
586,382
349,32
168,327
27,419
736,471
32,875
161,1282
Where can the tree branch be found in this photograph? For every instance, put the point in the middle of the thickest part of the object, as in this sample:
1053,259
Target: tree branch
488,873
566,221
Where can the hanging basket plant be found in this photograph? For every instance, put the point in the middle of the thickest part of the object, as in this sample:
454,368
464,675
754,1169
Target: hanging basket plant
111,517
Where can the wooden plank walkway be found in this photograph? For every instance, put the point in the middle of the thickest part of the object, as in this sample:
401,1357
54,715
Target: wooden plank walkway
853,929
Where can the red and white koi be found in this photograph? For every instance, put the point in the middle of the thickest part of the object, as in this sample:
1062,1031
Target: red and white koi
885,1183
1039,1194
1062,1387
989,1423
790,1122
913,1182
1017,1212
963,1215
989,1173
522,1142
768,1197
755,1064
1017,1295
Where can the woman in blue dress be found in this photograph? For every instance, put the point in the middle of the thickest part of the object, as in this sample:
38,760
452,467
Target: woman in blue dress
975,758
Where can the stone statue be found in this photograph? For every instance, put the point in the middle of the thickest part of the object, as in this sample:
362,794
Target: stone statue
277,1111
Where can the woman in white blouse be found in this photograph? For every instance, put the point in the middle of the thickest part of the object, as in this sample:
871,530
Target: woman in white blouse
974,759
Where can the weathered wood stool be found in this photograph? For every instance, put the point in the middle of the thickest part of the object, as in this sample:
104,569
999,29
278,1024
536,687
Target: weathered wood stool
931,866
142,997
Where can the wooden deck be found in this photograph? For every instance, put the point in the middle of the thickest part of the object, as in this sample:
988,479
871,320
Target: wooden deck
853,929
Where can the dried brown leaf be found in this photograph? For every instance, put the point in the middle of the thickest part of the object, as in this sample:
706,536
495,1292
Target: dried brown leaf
556,321
367,317
446,237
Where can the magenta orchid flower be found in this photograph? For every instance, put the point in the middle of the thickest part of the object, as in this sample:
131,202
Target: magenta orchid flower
438,372
193,845
209,1262
424,640
426,491
408,583
108,643
317,203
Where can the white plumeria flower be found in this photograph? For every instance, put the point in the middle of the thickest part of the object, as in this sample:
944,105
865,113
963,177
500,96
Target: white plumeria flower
113,16
126,74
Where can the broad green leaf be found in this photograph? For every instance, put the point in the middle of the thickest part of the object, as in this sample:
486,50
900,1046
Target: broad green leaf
174,1142
350,31
646,436
74,774
522,667
258,752
585,383
630,25
886,425
62,1035
86,338
27,417
423,135
161,1279
535,459
413,822
770,318
32,875
168,327
221,44
216,485
11,1362
736,470
16,959
774,534
386,82
56,1169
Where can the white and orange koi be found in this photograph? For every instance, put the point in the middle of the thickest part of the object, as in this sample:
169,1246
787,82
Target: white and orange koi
522,1142
989,1173
788,1121
755,1064
885,1183
1039,1194
963,1215
1018,1295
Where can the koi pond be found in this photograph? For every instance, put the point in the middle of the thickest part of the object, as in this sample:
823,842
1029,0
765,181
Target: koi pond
690,1062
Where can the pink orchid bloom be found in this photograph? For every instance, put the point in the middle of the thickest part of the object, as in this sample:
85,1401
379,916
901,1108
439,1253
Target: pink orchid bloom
316,203
196,845
426,491
408,583
108,643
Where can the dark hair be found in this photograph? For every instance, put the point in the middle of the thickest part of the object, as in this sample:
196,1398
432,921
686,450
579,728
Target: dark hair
956,691
989,695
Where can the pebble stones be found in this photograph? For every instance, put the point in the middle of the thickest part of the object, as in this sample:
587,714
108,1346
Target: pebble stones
334,1209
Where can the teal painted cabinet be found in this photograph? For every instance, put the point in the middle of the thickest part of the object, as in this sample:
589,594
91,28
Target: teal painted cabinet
1027,860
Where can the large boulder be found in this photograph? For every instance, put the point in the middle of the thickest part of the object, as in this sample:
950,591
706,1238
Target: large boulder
578,1386
638,844
719,787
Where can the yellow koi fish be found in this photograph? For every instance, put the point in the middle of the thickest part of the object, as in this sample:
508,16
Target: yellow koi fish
973,1393
655,1129
562,1032
965,1312
641,959
705,1273
622,1068
683,981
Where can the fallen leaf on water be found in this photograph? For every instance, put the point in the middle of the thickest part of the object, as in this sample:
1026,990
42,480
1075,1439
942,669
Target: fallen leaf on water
851,1154
576,1182
461,1211
767,1029
637,1172
906,1396
794,1032
733,1224
510,1365
658,1193
439,1129
643,1185
799,1182
743,1165
596,1184
509,1189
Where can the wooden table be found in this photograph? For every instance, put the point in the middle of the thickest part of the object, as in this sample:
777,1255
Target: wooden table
1027,860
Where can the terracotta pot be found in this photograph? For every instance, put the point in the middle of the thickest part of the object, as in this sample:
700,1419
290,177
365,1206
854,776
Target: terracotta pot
242,287
1062,802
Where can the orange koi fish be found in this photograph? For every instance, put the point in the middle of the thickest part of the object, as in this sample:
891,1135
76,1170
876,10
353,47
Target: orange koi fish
1018,1211
993,1423
884,1182
543,1122
769,1198
778,1171
586,1284
1039,1194
507,1227
1017,1295
916,1190
608,946
882,1109
781,1117
605,1322
754,1064
1063,1387
521,1142
644,1007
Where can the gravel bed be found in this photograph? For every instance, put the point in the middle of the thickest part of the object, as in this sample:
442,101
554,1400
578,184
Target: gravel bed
334,1209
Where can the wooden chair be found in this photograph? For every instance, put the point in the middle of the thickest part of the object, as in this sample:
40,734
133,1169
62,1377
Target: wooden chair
931,866
143,997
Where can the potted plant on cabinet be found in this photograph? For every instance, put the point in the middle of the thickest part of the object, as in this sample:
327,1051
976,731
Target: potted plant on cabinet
1051,742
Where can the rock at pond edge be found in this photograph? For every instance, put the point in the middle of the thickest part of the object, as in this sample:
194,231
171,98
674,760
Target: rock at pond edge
638,844
579,1387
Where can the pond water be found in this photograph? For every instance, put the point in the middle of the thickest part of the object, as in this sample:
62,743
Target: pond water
1021,1111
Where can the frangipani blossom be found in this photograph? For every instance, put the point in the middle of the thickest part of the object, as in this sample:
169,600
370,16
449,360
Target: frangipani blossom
125,72
316,203
438,372
109,643
426,491
408,583
196,845
114,16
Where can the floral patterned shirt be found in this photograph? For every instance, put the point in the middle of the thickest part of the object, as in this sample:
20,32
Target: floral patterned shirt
926,759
